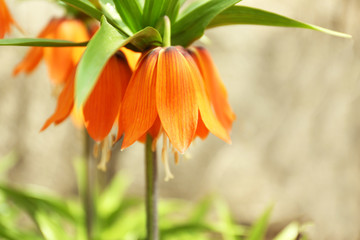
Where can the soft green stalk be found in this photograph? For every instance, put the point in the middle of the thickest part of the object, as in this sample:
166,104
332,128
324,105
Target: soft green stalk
152,230
167,32
89,201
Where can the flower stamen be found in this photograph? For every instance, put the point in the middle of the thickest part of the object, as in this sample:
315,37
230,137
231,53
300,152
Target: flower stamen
105,154
164,158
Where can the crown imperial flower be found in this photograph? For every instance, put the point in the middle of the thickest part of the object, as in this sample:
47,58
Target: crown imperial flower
167,89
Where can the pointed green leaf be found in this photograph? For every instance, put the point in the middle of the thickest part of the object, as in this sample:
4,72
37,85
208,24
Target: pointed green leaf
171,9
101,47
155,10
249,15
85,7
191,26
290,232
49,227
258,230
109,9
39,42
130,13
31,201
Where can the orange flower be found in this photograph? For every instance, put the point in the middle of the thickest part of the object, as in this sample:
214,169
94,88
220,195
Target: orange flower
60,61
5,19
102,108
167,92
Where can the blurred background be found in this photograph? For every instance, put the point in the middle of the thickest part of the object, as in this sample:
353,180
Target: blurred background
296,140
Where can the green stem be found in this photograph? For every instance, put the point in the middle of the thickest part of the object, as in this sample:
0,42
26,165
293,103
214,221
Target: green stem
89,201
167,32
151,191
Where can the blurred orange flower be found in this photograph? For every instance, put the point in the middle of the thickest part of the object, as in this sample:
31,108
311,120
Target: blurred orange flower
168,94
5,19
61,61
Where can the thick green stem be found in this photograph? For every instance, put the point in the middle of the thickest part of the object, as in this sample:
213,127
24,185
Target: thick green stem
89,201
167,32
151,191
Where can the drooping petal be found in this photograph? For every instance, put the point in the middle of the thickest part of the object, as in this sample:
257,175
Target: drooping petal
201,130
207,113
65,103
138,111
176,98
153,132
30,62
5,19
34,56
102,107
214,86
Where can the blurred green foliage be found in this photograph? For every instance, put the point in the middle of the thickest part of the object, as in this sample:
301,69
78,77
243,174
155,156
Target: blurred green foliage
32,214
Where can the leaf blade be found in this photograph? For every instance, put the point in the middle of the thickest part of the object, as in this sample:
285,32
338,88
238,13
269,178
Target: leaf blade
258,230
192,25
85,7
130,13
39,42
248,15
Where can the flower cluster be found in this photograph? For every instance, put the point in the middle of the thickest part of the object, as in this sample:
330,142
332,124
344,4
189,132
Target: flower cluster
171,92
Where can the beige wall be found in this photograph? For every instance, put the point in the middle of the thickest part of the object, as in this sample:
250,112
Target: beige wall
295,141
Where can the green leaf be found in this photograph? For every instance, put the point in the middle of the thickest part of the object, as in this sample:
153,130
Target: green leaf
201,210
258,230
249,15
155,10
32,201
101,47
85,7
191,26
112,15
171,9
226,224
130,13
39,42
290,232
50,226
111,199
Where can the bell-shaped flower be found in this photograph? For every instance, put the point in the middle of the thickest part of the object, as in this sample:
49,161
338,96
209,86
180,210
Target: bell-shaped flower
167,95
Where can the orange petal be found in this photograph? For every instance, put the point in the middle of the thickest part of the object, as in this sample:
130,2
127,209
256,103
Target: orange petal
64,105
176,98
214,86
201,130
131,56
207,114
153,131
30,62
102,107
34,56
5,19
138,111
